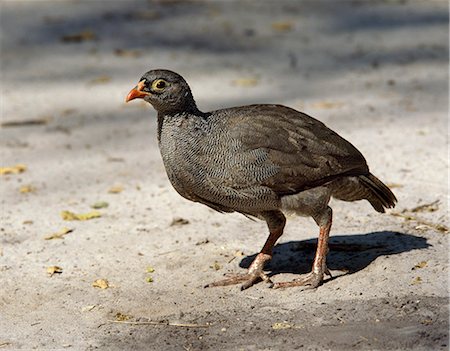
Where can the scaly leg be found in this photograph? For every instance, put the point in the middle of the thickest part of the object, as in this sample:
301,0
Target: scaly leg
275,221
319,268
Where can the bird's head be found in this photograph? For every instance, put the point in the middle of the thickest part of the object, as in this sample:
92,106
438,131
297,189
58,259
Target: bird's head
167,91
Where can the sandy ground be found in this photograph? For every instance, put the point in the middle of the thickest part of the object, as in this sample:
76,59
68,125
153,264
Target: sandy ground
376,72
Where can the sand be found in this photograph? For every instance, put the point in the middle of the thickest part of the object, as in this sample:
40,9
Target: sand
376,72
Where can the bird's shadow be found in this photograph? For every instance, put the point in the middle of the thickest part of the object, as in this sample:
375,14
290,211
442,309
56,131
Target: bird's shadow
348,253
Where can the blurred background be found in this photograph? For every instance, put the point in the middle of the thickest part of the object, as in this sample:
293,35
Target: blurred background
284,51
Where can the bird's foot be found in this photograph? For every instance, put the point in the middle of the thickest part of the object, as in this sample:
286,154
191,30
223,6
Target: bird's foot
255,273
310,281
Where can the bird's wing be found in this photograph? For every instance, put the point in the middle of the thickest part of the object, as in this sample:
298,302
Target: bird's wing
293,150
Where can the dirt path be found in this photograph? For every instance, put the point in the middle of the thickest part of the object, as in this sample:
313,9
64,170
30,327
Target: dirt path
374,72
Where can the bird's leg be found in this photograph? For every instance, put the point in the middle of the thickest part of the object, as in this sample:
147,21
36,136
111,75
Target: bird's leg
319,268
275,221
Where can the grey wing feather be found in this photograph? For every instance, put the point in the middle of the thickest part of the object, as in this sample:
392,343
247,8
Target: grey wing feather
305,152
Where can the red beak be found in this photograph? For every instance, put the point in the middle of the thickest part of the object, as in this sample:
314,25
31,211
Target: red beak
137,92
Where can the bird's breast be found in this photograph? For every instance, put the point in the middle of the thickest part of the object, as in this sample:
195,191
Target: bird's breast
214,166
180,147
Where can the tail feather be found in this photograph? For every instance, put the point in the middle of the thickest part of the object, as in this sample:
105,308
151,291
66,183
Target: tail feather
381,196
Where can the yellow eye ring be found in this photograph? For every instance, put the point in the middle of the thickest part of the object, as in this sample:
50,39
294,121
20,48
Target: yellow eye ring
159,85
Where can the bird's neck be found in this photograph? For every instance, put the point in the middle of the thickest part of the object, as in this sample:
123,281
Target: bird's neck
192,113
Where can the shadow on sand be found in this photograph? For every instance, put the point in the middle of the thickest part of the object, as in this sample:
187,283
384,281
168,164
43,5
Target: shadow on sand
349,253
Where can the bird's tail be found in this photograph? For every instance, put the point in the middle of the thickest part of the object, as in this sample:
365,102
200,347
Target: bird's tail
364,187
379,195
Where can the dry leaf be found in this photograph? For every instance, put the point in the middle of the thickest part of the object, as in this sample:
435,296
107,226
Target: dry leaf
216,266
284,325
54,269
409,217
150,269
417,280
245,82
282,26
68,111
122,317
278,326
177,221
27,189
430,207
101,283
70,216
100,80
326,104
128,53
60,234
19,168
88,308
422,264
100,204
116,189
79,37
441,227
202,242
26,122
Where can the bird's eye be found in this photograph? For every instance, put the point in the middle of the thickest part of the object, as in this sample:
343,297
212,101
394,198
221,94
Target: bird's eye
159,85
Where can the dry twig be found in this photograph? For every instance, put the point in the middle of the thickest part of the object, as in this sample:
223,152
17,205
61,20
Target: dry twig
184,325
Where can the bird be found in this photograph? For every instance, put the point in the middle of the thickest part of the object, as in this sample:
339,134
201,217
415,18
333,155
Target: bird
260,160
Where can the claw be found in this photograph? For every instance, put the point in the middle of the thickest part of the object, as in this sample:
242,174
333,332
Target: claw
310,281
233,279
255,274
254,278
